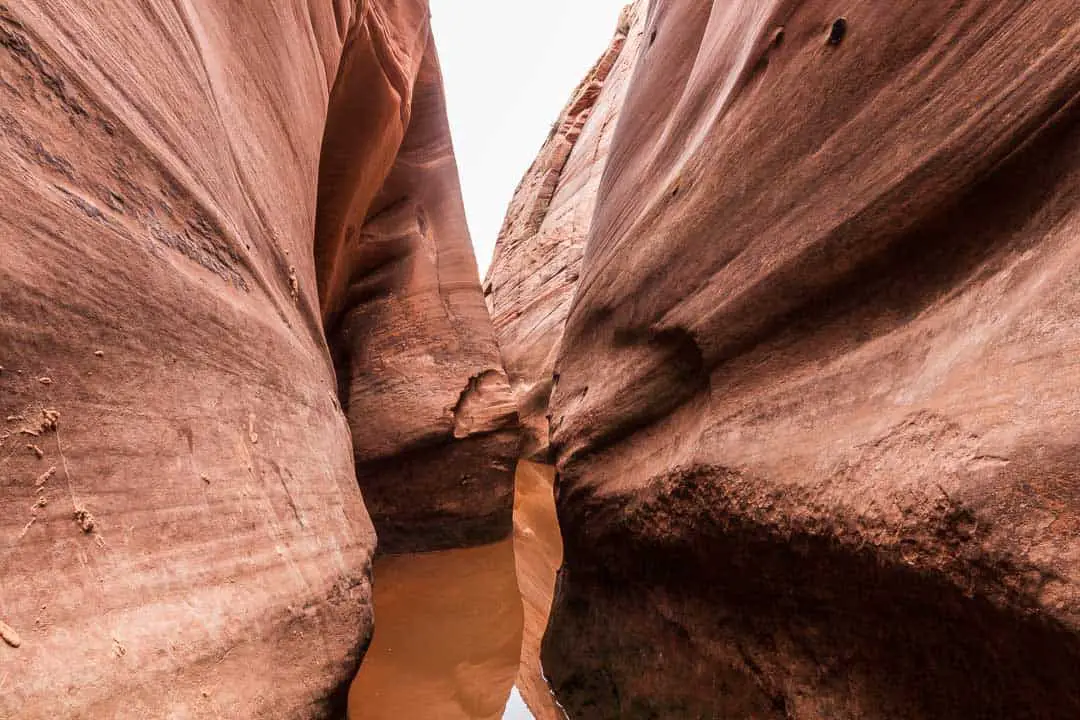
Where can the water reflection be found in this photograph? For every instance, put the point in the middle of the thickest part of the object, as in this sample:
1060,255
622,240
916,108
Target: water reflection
538,546
450,629
447,637
516,709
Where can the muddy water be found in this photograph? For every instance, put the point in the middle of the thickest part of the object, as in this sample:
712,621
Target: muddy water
453,632
538,548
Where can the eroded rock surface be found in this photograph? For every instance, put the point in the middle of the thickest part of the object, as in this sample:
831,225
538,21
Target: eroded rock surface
181,530
816,416
538,254
434,422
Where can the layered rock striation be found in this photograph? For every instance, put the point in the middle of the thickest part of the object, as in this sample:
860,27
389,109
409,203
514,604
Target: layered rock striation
815,401
537,258
434,424
188,188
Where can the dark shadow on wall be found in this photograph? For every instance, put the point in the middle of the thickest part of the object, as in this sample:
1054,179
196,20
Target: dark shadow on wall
691,609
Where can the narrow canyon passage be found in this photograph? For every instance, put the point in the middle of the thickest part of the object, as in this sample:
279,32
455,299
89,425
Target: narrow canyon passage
787,299
457,630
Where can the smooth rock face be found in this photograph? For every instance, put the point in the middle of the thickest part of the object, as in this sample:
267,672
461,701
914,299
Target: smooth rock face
538,255
434,422
181,530
816,416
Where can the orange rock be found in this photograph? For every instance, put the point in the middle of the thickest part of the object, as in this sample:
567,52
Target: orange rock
8,635
162,198
434,424
815,417
538,254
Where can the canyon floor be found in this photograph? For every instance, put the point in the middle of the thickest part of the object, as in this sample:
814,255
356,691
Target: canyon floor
457,630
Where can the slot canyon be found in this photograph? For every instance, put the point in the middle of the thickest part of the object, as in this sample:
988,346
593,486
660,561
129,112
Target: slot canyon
767,406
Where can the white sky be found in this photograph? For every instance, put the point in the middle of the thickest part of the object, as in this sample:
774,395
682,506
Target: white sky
516,709
509,67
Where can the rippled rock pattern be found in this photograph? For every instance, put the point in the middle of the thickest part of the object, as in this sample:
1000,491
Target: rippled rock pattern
538,255
815,409
182,529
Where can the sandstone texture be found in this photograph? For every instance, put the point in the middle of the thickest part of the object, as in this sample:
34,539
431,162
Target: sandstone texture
816,408
434,423
537,258
181,529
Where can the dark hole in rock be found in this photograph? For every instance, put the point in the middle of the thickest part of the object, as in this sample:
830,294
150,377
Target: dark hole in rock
838,31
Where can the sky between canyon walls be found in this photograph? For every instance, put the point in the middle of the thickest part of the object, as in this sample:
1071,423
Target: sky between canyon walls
509,66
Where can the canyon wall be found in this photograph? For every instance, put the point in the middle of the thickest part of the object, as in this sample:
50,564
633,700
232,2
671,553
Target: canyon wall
815,403
193,192
537,257
434,424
